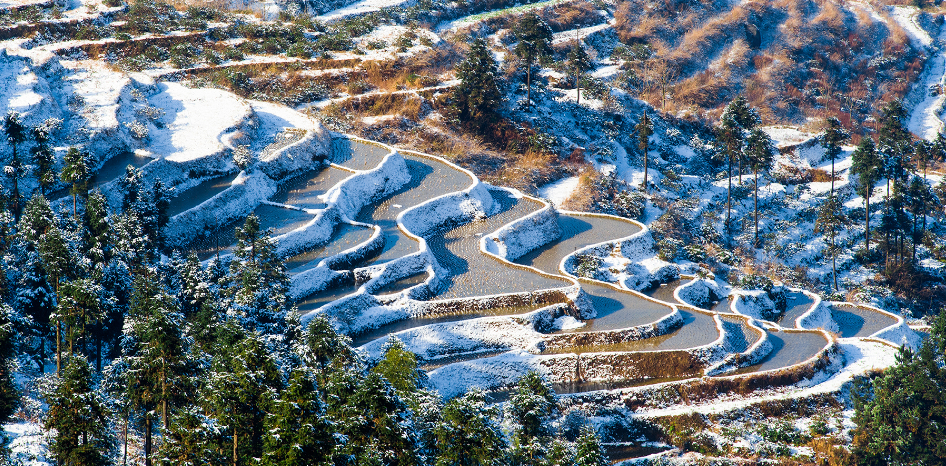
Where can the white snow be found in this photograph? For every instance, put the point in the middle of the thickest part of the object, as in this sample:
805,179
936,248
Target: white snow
357,8
905,16
28,446
925,118
559,191
861,357
197,122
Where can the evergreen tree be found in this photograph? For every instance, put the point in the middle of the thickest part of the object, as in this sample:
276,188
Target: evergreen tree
589,451
58,263
297,431
243,380
78,416
477,97
468,434
376,422
157,368
399,367
919,198
16,134
866,164
77,173
43,158
746,119
190,440
79,308
833,137
644,130
758,152
530,406
534,43
9,398
38,217
97,229
130,186
579,62
831,221
35,300
901,415
258,280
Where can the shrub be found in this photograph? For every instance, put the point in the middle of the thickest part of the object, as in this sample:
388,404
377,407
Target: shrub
586,265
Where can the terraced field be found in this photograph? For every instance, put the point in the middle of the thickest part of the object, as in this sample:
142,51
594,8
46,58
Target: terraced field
480,282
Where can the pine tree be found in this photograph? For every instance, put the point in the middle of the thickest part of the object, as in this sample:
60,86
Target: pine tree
58,263
579,62
731,135
243,380
258,280
77,173
530,407
644,130
919,198
534,43
97,237
9,398
468,434
157,368
190,440
16,134
325,346
78,416
36,300
297,431
758,153
834,135
377,424
79,308
38,217
866,164
399,367
831,221
477,97
901,414
43,158
589,450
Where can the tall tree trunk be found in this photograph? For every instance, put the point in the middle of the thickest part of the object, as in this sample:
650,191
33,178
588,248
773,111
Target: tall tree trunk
529,85
235,447
834,264
729,196
148,439
867,220
58,347
756,192
832,176
646,187
125,454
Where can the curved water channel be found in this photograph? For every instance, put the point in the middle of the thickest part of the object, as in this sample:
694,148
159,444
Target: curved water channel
475,274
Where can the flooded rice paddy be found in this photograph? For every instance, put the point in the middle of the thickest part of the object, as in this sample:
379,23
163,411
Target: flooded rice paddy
788,348
429,179
856,321
222,240
303,191
473,273
197,195
345,236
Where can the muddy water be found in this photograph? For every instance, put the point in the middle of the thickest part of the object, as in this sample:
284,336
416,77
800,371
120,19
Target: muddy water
400,326
357,155
223,239
402,284
788,348
857,321
798,303
303,191
321,298
664,291
698,329
619,309
193,197
431,366
112,169
741,337
724,306
577,232
345,236
473,273
582,387
429,179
